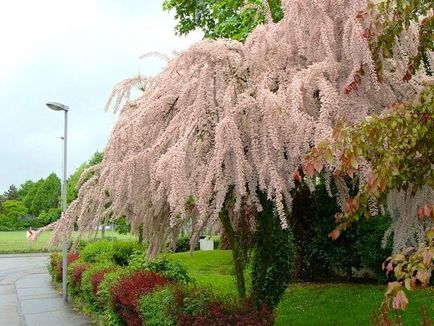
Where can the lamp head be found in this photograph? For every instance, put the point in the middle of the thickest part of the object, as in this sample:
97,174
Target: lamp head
57,106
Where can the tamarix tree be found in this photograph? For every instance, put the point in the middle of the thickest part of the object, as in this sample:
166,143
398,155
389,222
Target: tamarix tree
222,131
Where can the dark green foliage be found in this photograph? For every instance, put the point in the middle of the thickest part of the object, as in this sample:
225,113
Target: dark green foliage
47,195
121,225
233,19
183,244
273,260
318,257
11,193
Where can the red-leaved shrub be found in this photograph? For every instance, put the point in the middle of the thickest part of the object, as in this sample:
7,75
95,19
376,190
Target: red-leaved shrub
72,257
217,314
97,278
127,292
77,274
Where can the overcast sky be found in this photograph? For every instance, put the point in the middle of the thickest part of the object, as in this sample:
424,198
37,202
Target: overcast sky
71,52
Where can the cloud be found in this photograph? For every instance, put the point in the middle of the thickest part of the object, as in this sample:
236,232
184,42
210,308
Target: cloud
73,52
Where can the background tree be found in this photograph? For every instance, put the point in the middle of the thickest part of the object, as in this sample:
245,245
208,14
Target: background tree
12,211
222,19
11,193
30,194
72,190
47,195
25,188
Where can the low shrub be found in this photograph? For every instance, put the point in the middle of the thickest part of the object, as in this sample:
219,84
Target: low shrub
127,292
217,314
200,306
159,307
109,281
183,244
53,268
173,271
56,266
119,252
90,284
75,275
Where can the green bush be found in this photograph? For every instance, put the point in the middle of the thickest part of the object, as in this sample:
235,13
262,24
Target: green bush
171,270
159,307
75,275
90,300
104,300
98,251
53,267
317,256
118,252
183,244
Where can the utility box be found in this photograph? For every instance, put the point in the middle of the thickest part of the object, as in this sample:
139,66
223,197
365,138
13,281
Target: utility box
205,244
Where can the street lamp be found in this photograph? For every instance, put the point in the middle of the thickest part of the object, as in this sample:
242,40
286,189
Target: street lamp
60,107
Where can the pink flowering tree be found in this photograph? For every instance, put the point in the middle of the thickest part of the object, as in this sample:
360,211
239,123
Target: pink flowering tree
221,133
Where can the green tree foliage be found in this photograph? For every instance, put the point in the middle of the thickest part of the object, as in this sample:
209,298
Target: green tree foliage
233,19
12,211
11,193
25,188
47,217
47,195
31,191
72,190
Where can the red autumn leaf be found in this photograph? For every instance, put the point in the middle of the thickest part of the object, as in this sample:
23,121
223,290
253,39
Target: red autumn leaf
318,164
348,89
334,234
309,168
420,213
296,175
407,76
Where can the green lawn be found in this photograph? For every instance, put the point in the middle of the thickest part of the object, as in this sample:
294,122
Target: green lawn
16,242
305,303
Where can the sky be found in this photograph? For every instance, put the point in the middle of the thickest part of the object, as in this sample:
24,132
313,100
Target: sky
72,52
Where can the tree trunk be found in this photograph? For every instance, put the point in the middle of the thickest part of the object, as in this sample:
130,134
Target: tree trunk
273,257
238,251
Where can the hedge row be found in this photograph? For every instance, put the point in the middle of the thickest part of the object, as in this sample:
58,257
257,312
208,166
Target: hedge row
112,282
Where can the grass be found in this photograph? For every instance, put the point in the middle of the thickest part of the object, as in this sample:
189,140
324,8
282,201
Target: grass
306,303
16,242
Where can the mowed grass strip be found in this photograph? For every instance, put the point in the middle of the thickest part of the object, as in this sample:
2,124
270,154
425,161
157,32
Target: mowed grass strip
306,304
12,242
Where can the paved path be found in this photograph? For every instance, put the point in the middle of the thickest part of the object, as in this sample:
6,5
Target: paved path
27,296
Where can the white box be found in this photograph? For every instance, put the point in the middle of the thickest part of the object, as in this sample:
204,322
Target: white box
205,244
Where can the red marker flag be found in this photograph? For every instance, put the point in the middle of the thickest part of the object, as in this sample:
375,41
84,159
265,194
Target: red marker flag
29,234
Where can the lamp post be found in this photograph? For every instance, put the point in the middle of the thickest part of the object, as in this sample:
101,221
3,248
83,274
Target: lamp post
60,107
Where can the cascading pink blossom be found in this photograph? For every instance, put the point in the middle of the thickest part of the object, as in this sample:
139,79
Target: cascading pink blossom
230,117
